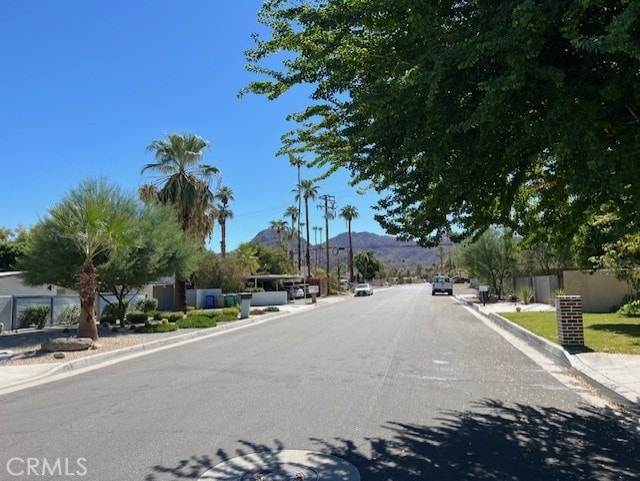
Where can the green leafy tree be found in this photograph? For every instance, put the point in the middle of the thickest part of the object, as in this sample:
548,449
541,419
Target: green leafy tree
348,213
491,258
161,249
468,114
183,182
12,244
368,265
91,223
271,260
215,271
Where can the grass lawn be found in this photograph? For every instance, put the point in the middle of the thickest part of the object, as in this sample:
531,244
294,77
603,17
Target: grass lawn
611,333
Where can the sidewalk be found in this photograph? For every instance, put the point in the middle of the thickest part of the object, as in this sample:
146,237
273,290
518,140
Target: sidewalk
617,376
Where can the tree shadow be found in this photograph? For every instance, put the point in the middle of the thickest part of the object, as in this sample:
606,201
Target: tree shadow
629,330
491,441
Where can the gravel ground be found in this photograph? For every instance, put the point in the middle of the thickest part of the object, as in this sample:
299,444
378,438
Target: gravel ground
26,344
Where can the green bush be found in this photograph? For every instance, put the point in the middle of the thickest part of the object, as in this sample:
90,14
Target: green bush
197,322
149,328
70,315
171,316
630,309
231,311
271,309
36,314
205,312
137,317
110,311
146,305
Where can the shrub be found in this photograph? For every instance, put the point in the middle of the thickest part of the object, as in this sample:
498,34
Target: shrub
525,294
205,312
271,309
230,311
70,315
630,309
110,311
554,294
115,329
196,322
36,314
146,305
137,317
149,328
257,312
171,316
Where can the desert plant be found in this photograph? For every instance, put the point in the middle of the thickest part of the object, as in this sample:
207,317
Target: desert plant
110,312
149,328
197,322
525,294
136,317
554,294
36,314
146,305
70,315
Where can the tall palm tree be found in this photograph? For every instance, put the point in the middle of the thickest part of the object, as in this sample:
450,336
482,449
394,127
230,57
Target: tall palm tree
348,213
294,213
298,163
307,190
184,182
96,220
279,226
224,195
224,213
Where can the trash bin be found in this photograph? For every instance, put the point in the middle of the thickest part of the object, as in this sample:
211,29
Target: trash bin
229,300
209,302
245,304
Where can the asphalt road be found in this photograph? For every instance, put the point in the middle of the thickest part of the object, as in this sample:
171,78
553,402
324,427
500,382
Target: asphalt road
403,385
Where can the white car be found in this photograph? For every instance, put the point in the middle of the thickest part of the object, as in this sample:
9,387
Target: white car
363,289
442,284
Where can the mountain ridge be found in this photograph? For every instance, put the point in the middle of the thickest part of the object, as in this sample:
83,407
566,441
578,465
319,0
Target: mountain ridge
390,251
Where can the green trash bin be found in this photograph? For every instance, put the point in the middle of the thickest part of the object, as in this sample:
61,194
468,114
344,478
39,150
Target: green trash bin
229,300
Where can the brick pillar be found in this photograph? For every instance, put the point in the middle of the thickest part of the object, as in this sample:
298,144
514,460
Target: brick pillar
569,315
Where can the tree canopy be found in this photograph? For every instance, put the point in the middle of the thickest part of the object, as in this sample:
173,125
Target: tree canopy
466,114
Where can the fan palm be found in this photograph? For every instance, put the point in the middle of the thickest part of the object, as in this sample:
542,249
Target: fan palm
307,190
224,195
348,213
185,183
293,212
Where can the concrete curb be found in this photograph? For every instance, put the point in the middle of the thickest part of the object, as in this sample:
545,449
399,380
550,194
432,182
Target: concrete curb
563,358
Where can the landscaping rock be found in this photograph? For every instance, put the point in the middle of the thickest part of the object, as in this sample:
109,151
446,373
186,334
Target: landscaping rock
67,344
58,355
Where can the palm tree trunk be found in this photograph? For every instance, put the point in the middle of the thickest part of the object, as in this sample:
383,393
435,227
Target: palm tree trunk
308,255
350,254
87,284
223,243
180,295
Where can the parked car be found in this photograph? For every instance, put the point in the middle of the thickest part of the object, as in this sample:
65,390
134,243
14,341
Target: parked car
363,289
442,284
294,292
460,280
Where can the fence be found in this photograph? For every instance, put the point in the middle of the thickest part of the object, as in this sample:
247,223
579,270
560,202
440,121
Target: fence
12,306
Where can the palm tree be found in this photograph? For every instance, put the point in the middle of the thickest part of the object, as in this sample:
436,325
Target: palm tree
348,213
307,190
224,213
298,163
185,183
96,221
293,212
247,258
224,195
279,226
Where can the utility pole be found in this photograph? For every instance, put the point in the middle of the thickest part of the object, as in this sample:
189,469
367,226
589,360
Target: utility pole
329,213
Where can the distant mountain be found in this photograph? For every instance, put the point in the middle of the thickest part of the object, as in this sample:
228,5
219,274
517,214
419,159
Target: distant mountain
391,252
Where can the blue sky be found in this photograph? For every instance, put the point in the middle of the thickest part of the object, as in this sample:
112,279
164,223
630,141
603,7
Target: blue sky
87,85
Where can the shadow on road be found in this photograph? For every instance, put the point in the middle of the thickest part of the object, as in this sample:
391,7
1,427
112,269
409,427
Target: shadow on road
491,441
